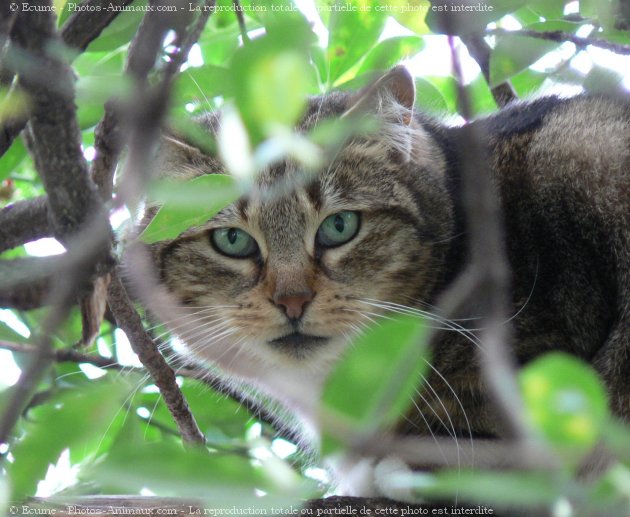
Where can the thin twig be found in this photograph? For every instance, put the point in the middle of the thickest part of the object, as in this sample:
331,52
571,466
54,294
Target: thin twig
238,11
128,320
562,37
64,355
487,274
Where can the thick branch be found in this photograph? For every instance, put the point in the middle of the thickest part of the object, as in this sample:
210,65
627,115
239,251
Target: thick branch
23,221
71,195
78,32
562,37
55,131
25,271
128,320
86,25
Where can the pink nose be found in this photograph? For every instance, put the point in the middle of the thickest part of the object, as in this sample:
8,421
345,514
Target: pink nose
294,304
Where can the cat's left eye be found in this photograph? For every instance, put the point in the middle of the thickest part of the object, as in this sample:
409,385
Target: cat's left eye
234,242
337,229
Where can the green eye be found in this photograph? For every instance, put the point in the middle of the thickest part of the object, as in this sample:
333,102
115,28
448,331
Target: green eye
234,242
337,229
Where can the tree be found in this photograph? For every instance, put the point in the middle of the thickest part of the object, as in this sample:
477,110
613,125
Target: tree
87,88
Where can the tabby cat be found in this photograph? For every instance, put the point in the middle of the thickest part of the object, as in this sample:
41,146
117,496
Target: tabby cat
279,282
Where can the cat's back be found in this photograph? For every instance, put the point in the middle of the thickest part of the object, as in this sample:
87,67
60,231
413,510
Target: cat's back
574,149
562,168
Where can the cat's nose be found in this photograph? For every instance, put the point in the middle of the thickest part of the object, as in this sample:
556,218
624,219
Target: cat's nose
294,304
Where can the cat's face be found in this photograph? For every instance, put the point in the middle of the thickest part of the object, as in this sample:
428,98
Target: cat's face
290,273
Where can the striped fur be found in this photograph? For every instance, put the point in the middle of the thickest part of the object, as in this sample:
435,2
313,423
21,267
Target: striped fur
561,168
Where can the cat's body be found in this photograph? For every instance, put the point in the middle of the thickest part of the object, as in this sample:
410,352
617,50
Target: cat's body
284,313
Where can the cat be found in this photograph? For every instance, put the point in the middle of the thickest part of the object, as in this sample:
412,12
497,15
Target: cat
280,281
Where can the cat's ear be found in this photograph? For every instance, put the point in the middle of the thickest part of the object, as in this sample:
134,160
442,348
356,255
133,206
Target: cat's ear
392,96
177,159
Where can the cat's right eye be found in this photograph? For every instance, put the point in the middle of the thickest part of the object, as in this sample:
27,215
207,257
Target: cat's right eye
234,242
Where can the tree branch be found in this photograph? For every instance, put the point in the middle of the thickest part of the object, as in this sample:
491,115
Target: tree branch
487,276
128,320
480,51
23,221
86,25
238,10
64,355
78,32
71,195
562,37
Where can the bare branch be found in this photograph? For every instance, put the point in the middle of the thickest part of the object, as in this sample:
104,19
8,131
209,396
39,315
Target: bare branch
57,149
64,355
31,296
562,37
487,277
23,221
86,25
238,10
71,195
128,320
78,32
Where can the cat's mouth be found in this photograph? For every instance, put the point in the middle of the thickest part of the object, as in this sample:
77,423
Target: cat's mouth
297,340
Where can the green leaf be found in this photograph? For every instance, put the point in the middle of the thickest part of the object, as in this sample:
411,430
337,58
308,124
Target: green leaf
376,381
220,418
203,83
320,62
603,80
390,52
13,104
513,53
218,45
447,88
120,31
272,78
100,63
467,16
12,158
276,89
616,435
526,16
351,35
409,13
74,418
549,9
428,98
494,488
8,334
167,469
482,101
565,401
601,10
189,204
527,82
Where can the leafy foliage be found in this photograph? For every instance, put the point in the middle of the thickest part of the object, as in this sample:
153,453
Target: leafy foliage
117,430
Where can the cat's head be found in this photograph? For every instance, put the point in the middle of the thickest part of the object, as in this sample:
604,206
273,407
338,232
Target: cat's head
287,275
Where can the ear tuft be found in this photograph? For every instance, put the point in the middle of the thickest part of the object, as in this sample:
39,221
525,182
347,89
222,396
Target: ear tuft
392,93
400,83
179,160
